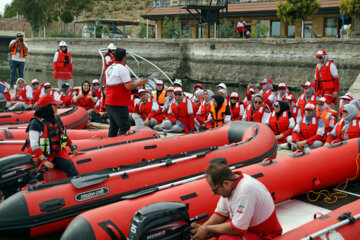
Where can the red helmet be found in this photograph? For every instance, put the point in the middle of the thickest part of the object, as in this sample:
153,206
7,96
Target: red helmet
265,81
320,52
198,85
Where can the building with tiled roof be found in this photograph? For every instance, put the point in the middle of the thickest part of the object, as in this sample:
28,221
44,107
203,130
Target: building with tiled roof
325,23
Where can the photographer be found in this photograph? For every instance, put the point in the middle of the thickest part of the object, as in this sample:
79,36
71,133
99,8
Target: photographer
18,50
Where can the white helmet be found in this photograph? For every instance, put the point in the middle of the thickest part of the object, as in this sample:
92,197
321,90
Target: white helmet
62,44
111,46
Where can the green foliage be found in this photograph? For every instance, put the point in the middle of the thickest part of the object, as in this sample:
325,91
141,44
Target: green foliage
142,31
171,28
293,11
147,3
67,17
225,29
350,7
9,11
128,7
263,29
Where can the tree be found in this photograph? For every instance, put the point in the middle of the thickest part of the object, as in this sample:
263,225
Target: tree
294,11
225,29
67,17
142,31
351,8
9,11
171,28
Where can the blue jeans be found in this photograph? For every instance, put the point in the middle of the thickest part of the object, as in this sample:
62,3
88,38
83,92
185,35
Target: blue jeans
16,65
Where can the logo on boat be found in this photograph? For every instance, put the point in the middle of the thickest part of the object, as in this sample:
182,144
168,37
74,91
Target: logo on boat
95,193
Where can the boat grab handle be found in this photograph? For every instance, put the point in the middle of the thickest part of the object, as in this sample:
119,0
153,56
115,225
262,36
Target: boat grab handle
298,153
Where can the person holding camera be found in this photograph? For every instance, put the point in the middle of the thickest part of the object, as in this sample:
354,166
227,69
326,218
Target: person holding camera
18,51
62,65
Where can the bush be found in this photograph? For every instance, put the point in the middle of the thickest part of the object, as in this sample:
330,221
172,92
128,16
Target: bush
263,29
128,7
225,29
142,31
171,28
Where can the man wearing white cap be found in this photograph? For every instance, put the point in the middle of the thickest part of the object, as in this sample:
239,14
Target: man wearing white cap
327,114
108,59
308,96
309,132
160,93
23,96
147,110
62,65
345,100
326,77
48,90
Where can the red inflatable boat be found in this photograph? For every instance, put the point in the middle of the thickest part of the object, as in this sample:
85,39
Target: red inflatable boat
50,207
10,147
73,117
285,178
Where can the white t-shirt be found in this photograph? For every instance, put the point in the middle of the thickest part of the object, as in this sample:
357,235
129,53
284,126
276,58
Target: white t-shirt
249,205
17,56
117,74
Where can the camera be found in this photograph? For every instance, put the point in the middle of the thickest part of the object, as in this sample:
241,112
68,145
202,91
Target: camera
21,39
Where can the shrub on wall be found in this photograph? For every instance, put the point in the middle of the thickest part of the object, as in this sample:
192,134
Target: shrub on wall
171,28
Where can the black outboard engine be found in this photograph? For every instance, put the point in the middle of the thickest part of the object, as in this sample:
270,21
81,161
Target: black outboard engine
15,172
3,102
163,220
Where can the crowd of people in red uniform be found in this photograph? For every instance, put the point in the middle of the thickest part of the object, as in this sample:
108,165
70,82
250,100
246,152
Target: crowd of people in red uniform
306,122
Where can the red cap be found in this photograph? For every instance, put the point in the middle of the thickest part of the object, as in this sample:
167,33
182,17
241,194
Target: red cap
322,99
308,84
178,89
34,81
265,81
234,95
199,85
282,85
47,84
46,100
170,89
347,97
95,81
141,91
252,90
320,52
309,106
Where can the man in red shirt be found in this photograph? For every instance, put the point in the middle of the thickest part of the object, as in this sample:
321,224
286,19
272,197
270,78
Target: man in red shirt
118,92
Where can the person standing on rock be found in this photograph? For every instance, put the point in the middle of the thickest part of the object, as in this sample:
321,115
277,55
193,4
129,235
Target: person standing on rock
18,51
62,66
326,78
118,93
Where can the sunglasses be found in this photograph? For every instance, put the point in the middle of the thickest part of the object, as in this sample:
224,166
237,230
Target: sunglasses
282,88
233,98
306,87
319,57
258,102
276,106
320,103
47,87
344,111
177,94
96,84
34,84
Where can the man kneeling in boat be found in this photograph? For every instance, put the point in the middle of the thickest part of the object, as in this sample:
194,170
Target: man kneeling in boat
244,201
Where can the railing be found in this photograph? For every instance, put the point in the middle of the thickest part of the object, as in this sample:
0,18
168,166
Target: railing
174,3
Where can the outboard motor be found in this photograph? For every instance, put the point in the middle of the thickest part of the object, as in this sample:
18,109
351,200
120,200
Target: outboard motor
3,102
15,172
163,220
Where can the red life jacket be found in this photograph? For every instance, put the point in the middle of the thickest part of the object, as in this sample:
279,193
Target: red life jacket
257,115
309,131
106,66
352,132
99,92
281,124
86,102
278,98
196,106
63,70
235,112
266,96
294,111
6,94
324,77
132,103
146,108
23,53
204,110
36,93
22,94
180,111
67,99
101,107
301,102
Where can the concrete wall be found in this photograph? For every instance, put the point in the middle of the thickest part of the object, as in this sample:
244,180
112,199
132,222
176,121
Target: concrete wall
232,61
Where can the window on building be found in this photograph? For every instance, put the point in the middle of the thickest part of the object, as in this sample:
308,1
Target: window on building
308,29
185,29
291,31
275,28
331,27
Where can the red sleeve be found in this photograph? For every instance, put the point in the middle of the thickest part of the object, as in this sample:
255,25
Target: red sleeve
296,136
287,132
330,138
209,124
248,95
191,122
313,139
37,152
237,229
200,118
151,115
171,118
336,85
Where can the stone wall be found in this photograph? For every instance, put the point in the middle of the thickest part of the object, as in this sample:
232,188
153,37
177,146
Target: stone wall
14,24
231,61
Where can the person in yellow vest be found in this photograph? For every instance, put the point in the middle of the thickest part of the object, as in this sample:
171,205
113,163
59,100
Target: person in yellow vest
160,93
18,51
219,113
327,114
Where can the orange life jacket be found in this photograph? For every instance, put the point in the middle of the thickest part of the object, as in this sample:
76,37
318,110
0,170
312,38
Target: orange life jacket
23,53
63,70
324,76
352,132
257,115
161,98
218,119
281,124
310,130
325,116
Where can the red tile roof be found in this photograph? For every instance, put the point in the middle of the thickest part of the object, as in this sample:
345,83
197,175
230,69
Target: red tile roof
235,7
